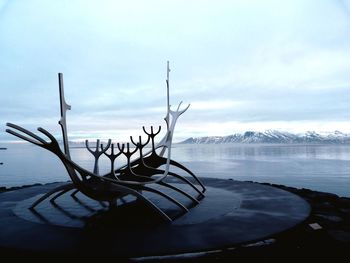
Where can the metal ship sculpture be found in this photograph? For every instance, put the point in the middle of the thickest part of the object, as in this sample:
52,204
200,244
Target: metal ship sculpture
143,169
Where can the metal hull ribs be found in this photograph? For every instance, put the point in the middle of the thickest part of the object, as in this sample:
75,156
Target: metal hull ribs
140,175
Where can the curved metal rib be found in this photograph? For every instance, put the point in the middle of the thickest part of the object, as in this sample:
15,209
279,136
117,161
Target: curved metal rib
152,171
146,188
144,199
142,169
178,165
180,191
158,160
116,186
188,182
19,128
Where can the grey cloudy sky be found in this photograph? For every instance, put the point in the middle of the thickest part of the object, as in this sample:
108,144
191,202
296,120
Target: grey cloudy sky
243,65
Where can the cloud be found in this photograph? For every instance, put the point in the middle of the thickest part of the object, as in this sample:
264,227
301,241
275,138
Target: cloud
239,64
214,105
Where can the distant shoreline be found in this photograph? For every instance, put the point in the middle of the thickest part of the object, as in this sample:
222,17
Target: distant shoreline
274,137
210,141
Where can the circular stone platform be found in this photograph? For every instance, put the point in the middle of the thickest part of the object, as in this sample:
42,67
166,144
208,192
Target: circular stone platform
232,213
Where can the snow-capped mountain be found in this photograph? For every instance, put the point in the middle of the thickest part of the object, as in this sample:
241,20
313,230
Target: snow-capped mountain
273,136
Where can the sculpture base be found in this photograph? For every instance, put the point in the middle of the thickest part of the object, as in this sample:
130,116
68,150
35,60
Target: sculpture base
232,213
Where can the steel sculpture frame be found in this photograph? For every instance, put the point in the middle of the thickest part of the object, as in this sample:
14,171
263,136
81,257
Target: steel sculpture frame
134,178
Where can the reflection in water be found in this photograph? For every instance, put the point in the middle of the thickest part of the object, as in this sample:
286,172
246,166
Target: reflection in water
83,212
260,151
84,205
39,216
320,167
65,212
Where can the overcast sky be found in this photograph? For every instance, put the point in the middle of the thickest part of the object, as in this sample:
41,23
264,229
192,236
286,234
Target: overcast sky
243,65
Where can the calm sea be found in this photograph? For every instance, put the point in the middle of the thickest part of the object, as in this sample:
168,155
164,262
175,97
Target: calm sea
318,167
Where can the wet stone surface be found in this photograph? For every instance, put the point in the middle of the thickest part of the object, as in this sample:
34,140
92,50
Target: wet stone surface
232,213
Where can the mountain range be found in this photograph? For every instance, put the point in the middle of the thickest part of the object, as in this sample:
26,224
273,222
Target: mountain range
273,136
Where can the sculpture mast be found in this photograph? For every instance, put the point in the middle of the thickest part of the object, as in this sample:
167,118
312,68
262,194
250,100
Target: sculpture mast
168,100
64,107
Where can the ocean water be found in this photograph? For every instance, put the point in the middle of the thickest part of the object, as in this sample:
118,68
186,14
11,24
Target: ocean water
318,167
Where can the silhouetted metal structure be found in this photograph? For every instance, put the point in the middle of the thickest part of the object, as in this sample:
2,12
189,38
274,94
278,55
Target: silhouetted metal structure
137,176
